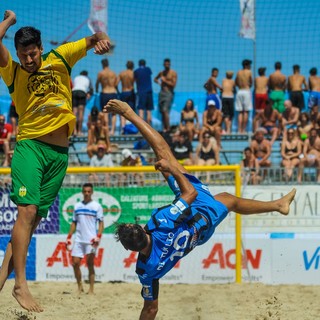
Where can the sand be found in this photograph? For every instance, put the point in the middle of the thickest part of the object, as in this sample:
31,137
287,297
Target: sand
122,301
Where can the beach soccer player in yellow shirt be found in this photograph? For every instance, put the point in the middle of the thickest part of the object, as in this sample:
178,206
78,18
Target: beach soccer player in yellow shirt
39,85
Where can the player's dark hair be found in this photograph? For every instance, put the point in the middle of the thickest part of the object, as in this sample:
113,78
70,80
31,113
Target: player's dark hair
26,36
142,62
167,60
214,69
296,67
132,236
87,185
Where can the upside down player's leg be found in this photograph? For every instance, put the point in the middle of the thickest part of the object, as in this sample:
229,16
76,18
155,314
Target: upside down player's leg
249,206
155,140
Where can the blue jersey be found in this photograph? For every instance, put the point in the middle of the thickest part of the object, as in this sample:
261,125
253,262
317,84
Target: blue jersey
175,230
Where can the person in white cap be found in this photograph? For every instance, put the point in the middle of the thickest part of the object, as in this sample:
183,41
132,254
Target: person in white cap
130,159
212,122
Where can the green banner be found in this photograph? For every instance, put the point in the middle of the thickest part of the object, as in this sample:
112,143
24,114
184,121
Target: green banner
129,204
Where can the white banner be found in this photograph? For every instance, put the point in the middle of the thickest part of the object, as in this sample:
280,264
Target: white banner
248,28
270,261
98,16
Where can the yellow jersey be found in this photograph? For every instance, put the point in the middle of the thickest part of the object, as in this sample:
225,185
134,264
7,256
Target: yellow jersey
43,98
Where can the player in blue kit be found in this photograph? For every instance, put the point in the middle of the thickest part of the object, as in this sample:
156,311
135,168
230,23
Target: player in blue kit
190,220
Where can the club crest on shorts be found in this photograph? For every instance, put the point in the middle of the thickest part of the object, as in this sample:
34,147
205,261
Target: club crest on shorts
22,191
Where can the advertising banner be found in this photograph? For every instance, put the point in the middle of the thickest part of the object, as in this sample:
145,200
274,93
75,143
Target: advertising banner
8,215
119,204
31,257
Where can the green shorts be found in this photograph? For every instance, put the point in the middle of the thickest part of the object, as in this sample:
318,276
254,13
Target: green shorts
37,171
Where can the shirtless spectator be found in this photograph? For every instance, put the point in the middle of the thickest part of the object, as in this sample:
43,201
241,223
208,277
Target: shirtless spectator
304,126
211,122
212,87
167,79
108,81
297,83
261,149
277,86
314,95
228,91
249,168
269,120
126,78
261,90
311,154
290,116
244,96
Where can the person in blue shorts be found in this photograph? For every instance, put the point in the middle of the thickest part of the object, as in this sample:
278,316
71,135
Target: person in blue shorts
176,229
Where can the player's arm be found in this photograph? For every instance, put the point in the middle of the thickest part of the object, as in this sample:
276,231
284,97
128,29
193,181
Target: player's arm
99,41
149,310
306,88
188,192
156,79
71,232
8,21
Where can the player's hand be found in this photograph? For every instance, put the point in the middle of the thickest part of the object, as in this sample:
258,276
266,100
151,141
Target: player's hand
96,241
69,243
103,43
116,106
10,16
163,165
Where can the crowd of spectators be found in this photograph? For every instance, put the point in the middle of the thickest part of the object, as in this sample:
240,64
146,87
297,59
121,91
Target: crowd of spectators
276,103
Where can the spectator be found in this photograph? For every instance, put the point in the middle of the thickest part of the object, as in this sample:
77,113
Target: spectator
277,87
93,117
304,126
261,90
5,138
108,81
132,160
243,96
126,78
142,76
212,121
296,83
189,121
269,120
311,154
261,148
182,149
290,116
314,95
13,118
81,91
207,153
97,134
250,168
167,79
212,87
290,151
101,159
228,91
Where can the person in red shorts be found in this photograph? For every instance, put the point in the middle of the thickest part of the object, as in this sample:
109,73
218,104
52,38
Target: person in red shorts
261,90
5,137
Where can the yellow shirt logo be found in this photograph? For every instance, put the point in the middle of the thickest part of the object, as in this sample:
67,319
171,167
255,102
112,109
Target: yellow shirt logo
22,191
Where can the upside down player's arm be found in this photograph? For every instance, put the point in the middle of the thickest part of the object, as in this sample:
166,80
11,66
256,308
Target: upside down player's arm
149,310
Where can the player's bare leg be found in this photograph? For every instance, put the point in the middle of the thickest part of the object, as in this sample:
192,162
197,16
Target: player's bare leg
155,140
249,206
90,264
77,273
21,234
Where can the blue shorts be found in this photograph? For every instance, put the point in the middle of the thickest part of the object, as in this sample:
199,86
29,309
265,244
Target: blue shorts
130,98
145,101
105,97
314,99
215,98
